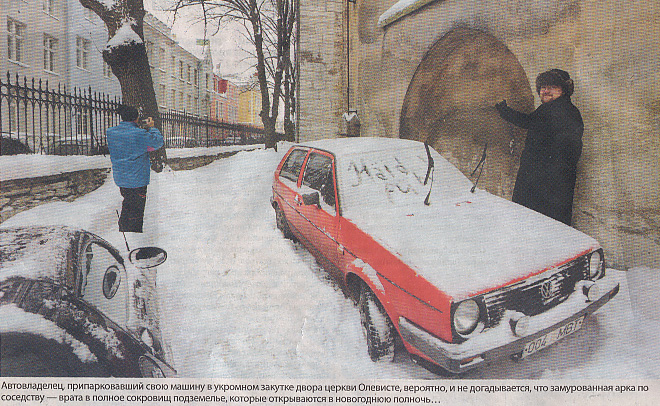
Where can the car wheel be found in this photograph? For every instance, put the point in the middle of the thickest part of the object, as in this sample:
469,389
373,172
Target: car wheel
283,224
376,326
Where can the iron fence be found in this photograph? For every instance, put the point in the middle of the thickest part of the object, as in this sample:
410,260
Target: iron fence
53,121
35,118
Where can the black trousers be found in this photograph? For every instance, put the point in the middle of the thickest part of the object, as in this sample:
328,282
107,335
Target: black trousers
132,209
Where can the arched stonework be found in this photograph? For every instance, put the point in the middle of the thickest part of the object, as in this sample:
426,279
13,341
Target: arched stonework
450,102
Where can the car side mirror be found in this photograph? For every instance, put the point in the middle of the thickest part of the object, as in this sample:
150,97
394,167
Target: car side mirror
312,199
147,257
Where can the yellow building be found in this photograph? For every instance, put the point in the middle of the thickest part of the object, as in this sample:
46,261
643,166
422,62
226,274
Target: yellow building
249,106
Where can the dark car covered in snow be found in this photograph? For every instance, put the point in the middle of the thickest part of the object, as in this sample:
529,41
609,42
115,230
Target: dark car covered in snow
72,305
459,276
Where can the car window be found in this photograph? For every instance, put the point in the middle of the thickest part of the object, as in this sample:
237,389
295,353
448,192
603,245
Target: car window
318,176
103,283
293,164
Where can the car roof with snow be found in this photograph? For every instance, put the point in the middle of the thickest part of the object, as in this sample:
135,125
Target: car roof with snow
361,145
36,252
389,172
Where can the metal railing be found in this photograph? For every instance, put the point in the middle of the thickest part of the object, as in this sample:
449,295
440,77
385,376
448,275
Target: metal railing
53,121
35,118
183,130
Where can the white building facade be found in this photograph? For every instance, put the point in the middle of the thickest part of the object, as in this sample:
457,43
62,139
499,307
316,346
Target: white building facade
61,42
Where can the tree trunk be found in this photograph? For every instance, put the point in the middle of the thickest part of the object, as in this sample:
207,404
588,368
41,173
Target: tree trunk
130,65
128,61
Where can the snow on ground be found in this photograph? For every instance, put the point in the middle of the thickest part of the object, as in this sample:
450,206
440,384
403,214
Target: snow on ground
238,300
30,166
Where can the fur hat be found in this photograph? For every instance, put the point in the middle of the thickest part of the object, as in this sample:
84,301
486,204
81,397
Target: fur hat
127,113
555,77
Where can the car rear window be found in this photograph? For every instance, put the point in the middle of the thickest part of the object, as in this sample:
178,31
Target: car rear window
291,168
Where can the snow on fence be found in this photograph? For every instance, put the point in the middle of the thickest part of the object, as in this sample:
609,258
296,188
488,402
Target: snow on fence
36,118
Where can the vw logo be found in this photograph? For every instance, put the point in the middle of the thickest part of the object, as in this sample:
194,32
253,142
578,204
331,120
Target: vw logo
546,290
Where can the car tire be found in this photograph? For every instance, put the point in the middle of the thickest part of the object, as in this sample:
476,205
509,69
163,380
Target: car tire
376,326
283,224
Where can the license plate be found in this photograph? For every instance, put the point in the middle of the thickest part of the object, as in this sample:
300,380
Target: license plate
552,337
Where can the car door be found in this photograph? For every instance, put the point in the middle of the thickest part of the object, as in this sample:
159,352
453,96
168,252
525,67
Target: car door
287,186
317,207
103,282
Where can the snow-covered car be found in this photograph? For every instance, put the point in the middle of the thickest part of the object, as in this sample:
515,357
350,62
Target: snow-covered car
72,305
461,277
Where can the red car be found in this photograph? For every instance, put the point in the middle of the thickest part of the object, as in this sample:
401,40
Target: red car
461,277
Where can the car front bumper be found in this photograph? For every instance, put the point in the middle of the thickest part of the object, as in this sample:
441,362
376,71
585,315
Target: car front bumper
500,341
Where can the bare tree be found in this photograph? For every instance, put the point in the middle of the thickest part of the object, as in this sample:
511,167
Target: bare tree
125,52
126,55
270,26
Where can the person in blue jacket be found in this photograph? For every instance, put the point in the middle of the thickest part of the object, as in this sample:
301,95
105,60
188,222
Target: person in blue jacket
129,153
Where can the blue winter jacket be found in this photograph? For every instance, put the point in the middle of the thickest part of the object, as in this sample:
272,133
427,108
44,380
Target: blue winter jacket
128,153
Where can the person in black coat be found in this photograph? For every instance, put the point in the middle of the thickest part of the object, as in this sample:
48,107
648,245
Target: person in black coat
548,164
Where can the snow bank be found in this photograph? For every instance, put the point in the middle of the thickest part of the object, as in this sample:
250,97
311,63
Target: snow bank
32,166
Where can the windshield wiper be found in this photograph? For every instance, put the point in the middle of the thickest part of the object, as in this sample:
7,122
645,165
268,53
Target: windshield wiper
482,163
429,172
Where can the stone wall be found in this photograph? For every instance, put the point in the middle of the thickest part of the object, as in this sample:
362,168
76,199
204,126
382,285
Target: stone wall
18,195
183,164
322,78
610,48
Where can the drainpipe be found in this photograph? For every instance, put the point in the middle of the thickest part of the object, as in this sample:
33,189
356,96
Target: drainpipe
348,54
352,122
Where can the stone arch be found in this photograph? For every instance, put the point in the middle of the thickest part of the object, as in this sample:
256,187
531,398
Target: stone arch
450,102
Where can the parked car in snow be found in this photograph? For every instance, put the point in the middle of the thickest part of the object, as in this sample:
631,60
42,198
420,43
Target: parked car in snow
459,276
72,305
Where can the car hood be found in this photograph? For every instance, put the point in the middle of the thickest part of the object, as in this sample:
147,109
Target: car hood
473,243
35,252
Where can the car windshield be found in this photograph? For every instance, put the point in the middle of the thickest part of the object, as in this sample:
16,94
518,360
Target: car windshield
393,179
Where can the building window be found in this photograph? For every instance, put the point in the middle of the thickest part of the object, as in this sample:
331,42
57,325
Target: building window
82,52
49,53
83,117
162,94
174,106
49,6
189,74
181,70
15,37
173,66
150,52
161,58
107,71
195,77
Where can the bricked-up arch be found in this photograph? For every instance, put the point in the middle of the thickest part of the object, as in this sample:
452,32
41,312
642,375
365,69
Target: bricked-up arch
450,102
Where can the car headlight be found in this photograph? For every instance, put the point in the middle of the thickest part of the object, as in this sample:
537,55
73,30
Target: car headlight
595,264
466,317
